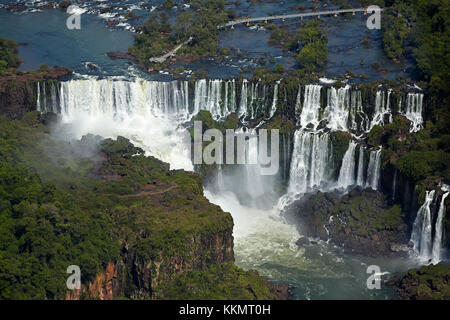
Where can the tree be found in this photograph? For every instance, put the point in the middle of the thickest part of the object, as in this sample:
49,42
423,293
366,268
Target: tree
311,32
184,23
312,56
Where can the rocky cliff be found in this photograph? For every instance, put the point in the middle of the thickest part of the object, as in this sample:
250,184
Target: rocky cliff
18,90
361,221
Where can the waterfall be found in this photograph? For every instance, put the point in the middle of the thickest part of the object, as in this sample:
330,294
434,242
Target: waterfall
338,108
358,118
252,167
122,98
311,106
45,96
253,99
347,172
413,111
373,170
439,230
133,103
360,177
273,109
310,161
53,98
242,113
382,108
421,232
215,96
38,99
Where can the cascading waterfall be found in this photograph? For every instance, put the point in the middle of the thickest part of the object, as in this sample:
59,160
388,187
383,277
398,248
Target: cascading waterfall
53,98
311,106
413,111
133,101
344,109
121,98
310,161
426,240
338,109
359,121
252,168
360,176
273,108
439,230
242,112
382,109
347,172
38,99
373,170
421,232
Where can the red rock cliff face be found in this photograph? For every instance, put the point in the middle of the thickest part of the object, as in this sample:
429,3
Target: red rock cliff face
106,286
18,91
135,277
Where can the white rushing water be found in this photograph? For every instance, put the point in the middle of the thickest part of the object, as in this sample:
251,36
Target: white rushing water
422,228
373,170
360,176
347,172
310,161
382,109
413,111
311,106
439,230
338,109
428,244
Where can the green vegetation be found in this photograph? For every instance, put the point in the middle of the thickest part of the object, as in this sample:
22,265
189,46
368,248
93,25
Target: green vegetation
421,28
58,208
417,155
9,57
427,283
197,285
159,36
309,43
314,53
44,229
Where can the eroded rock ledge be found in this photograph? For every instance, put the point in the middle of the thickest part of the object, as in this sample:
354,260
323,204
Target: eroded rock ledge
361,222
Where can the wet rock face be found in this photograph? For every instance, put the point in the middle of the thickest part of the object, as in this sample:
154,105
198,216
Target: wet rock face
361,222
